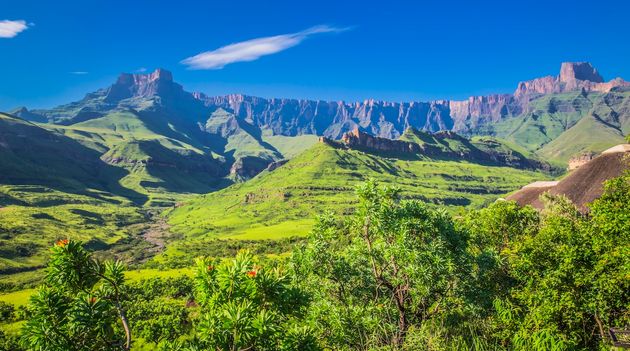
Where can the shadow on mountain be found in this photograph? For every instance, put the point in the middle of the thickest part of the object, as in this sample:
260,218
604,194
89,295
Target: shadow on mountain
31,155
180,172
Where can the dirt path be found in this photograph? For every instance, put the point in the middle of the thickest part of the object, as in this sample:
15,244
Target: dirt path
155,232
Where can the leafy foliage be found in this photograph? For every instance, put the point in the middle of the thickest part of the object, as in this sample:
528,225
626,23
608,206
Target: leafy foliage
395,264
245,306
570,275
79,307
396,275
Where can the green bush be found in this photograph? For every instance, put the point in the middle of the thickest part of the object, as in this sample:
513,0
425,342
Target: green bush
80,305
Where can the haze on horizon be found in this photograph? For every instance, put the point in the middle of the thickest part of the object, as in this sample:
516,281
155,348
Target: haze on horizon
53,53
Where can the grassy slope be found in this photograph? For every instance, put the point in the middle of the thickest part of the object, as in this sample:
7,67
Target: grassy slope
290,147
589,134
44,215
550,116
53,187
284,202
125,136
61,199
559,126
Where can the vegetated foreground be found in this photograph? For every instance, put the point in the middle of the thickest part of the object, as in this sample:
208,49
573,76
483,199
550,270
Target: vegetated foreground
394,275
99,169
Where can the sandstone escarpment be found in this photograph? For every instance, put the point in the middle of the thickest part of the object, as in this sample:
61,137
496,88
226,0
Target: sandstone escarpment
390,119
157,96
160,82
359,140
573,76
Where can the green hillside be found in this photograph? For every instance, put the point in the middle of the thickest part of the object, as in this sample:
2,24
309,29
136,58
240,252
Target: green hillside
558,126
162,168
34,217
165,164
31,155
54,187
589,134
480,149
284,202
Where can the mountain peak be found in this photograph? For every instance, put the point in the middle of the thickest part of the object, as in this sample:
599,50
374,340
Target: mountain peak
158,82
161,74
570,71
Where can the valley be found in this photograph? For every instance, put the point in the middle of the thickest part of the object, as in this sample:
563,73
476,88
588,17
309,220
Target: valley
240,170
153,176
314,176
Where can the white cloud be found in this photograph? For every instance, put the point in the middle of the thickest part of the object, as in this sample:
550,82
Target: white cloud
253,49
9,29
141,70
79,73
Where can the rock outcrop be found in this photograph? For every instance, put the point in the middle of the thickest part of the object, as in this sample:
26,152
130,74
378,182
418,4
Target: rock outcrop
584,184
247,167
359,140
158,83
571,71
579,160
440,145
573,76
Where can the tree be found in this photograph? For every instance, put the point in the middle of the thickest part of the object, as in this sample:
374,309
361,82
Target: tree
394,265
159,308
80,305
6,312
245,306
571,275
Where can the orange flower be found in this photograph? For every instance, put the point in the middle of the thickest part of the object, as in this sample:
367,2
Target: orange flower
210,267
92,300
62,243
251,274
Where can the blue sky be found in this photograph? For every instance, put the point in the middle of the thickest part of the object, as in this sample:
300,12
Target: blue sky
53,52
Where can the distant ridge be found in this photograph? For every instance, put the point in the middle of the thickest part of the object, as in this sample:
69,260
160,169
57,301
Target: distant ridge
331,118
590,113
444,145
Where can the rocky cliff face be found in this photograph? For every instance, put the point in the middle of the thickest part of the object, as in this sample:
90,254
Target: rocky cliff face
158,83
359,140
580,160
389,119
247,167
328,118
192,111
573,76
570,71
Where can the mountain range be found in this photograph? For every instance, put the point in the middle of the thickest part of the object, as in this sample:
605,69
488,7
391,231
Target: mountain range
169,141
92,169
538,112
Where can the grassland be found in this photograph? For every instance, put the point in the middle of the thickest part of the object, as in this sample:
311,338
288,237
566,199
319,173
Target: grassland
289,147
559,126
153,156
285,202
34,217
